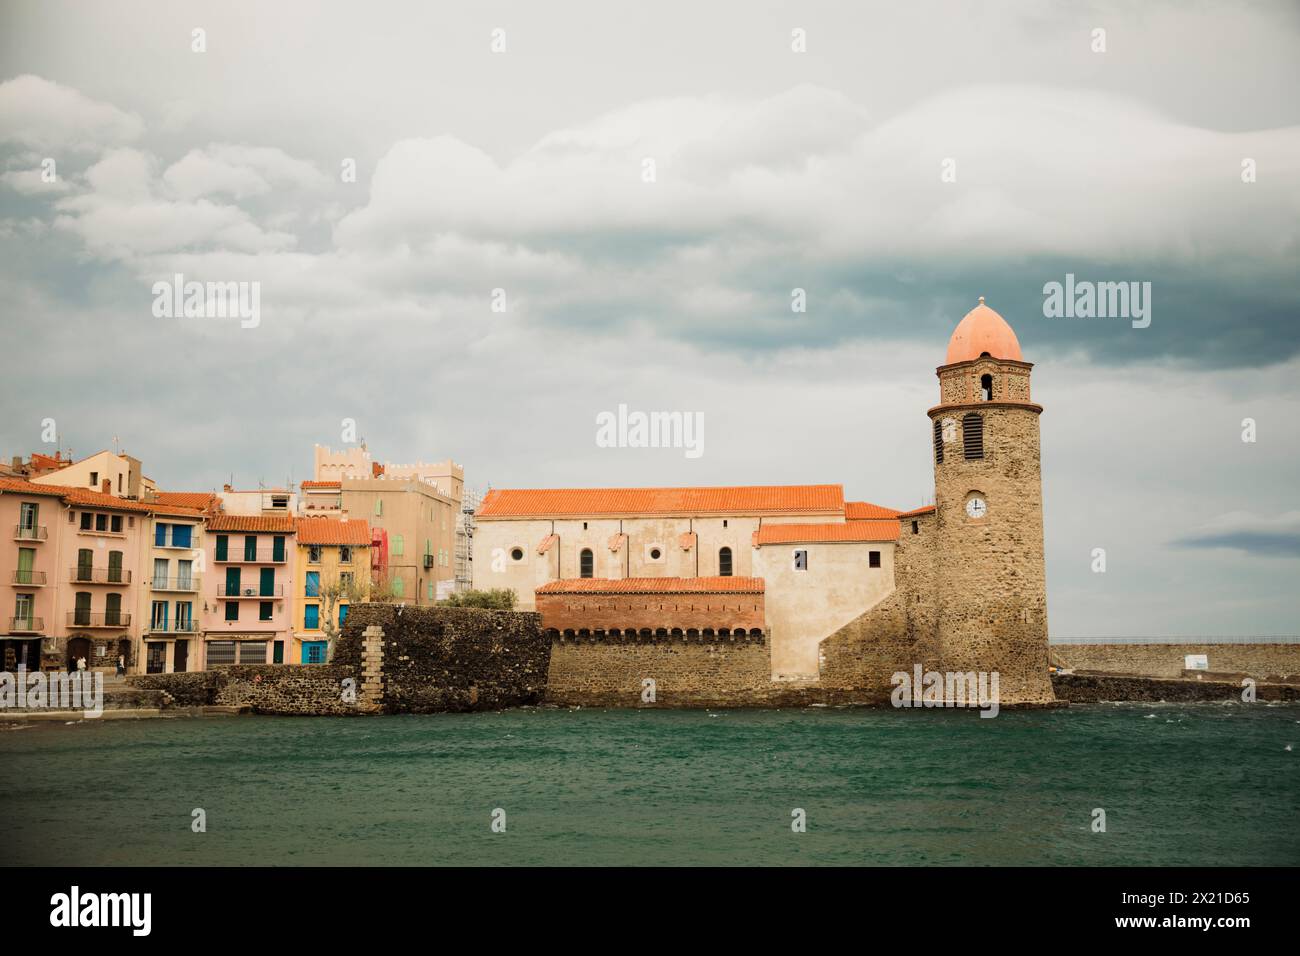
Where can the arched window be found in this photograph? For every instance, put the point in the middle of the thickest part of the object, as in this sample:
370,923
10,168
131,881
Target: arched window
586,563
938,441
986,388
724,562
972,433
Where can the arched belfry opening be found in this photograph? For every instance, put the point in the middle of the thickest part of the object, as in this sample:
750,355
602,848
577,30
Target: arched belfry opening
986,388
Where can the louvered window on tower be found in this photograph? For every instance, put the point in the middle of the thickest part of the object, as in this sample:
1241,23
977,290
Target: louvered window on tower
938,441
972,434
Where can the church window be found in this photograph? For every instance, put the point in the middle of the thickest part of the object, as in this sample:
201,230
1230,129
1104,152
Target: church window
801,560
916,527
972,432
517,554
938,442
873,559
724,562
586,563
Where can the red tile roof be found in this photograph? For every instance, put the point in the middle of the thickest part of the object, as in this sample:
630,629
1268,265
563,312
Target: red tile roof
305,485
353,531
72,495
546,543
175,510
865,510
252,523
850,531
926,509
571,502
714,585
203,500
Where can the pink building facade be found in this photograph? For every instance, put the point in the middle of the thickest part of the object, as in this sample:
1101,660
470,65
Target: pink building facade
70,568
247,589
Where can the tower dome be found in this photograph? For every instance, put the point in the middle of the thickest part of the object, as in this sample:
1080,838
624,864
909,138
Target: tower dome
982,330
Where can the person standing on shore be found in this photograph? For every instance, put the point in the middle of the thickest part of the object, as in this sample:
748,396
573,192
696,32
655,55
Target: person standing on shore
81,664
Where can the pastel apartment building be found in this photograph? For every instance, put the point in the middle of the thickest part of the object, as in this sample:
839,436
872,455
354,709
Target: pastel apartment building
171,595
247,588
334,558
71,573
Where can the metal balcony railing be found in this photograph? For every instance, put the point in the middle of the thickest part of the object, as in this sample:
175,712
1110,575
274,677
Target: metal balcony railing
26,624
33,579
86,575
99,619
32,533
190,583
250,591
174,627
259,556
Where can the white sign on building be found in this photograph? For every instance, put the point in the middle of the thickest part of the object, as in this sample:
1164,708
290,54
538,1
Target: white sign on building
1196,662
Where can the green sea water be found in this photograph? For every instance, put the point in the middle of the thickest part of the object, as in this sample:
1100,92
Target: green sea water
1201,784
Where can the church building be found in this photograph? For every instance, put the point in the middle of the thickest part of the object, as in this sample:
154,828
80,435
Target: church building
843,594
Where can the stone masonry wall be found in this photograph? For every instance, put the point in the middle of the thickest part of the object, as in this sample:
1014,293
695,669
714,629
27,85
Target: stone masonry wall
609,672
1261,661
450,659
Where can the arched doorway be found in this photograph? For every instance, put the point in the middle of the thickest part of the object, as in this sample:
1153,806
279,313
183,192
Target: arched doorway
78,647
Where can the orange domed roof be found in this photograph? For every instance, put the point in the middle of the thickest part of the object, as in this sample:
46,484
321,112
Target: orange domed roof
982,330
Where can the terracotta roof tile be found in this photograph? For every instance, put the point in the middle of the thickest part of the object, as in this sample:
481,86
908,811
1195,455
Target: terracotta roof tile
353,531
850,531
865,510
927,509
252,523
686,540
175,510
203,500
616,541
72,495
547,543
556,502
304,485
713,585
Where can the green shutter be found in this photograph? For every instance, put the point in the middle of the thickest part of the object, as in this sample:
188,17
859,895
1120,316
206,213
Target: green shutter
277,552
266,586
223,544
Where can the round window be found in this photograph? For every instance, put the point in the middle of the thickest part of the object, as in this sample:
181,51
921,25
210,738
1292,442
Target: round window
654,554
517,554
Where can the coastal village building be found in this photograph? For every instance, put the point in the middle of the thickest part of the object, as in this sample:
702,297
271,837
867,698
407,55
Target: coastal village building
71,571
423,543
247,589
122,472
334,556
844,593
170,598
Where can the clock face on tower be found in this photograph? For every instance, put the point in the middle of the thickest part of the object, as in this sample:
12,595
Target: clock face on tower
977,507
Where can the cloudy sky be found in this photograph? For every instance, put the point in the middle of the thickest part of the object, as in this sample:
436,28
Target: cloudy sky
524,169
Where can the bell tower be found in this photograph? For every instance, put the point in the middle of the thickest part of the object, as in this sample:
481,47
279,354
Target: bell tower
990,577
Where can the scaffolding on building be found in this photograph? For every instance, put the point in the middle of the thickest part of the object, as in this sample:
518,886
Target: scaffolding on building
470,500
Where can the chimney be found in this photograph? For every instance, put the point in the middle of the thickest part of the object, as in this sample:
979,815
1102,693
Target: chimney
106,486
17,462
227,488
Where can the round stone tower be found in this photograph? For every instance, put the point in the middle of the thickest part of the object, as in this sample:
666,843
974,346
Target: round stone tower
990,580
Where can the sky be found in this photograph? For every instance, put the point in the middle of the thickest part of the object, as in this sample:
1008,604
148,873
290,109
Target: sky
560,209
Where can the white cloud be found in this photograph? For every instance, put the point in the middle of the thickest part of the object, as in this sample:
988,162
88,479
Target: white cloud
239,171
43,115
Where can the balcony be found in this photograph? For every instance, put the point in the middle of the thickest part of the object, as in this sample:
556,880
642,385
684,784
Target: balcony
190,583
84,575
29,579
259,556
174,627
104,619
32,533
26,625
250,591
189,542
